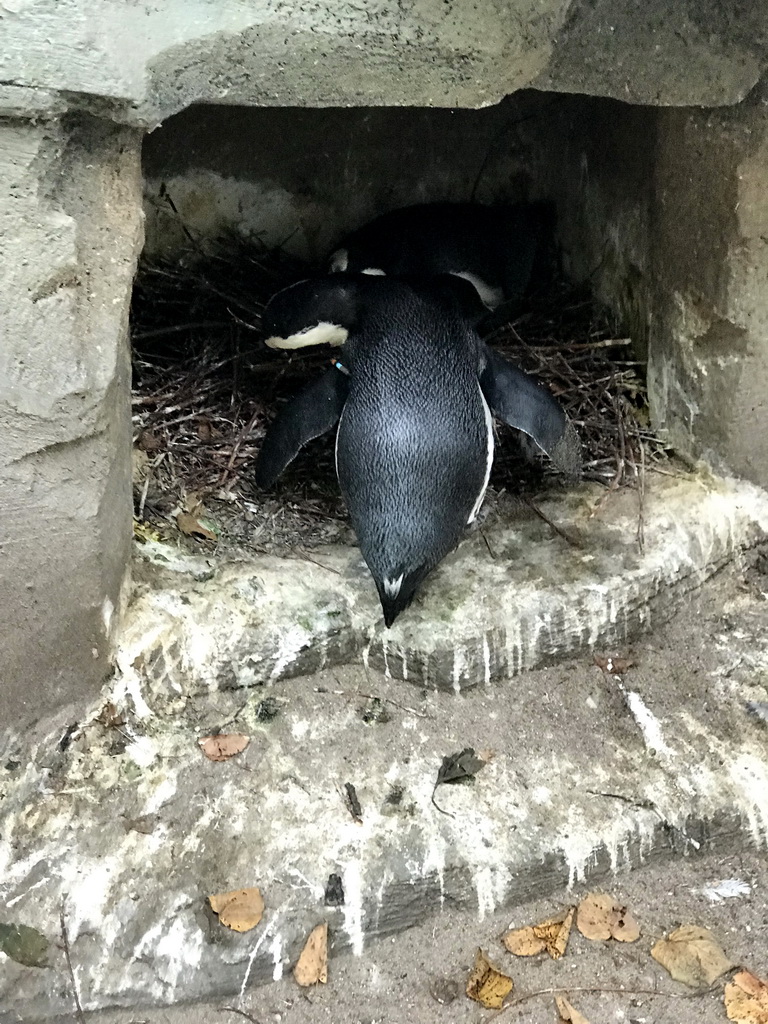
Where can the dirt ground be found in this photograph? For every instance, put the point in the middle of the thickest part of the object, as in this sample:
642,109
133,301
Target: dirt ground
419,975
402,979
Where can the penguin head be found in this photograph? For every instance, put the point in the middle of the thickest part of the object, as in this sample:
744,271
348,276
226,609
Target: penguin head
318,311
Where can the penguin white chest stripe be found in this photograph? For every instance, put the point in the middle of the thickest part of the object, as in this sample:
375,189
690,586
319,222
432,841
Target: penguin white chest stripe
490,297
488,456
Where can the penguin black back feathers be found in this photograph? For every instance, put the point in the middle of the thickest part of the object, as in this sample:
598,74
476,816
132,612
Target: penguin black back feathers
410,392
414,442
494,248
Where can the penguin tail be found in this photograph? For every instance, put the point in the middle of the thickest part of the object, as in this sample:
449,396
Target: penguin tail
397,592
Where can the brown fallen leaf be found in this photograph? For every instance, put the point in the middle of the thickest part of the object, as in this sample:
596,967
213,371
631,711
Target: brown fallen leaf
691,955
110,717
223,745
746,999
613,666
312,965
568,1013
551,935
145,824
205,429
147,442
240,909
487,984
143,532
601,918
192,527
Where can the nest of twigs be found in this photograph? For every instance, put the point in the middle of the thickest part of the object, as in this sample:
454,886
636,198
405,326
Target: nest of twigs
205,389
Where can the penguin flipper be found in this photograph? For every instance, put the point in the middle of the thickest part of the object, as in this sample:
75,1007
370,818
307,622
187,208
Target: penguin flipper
311,413
517,399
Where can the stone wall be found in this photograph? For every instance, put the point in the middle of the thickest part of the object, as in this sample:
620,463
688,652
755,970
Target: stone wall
141,62
300,178
70,233
664,212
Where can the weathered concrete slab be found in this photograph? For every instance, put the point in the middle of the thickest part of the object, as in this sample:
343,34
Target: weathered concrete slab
70,234
543,810
140,62
591,773
490,611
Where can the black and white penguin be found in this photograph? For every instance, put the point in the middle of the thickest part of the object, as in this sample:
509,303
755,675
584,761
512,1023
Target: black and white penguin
412,393
492,247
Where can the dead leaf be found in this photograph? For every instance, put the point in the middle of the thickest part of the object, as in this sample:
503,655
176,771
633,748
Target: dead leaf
692,956
601,918
312,965
143,532
455,767
190,526
205,429
110,717
147,442
746,999
568,1013
145,824
25,945
613,666
240,909
551,935
224,745
486,984
464,765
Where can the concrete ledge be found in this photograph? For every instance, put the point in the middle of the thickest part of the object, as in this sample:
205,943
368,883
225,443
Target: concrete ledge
589,776
590,773
489,612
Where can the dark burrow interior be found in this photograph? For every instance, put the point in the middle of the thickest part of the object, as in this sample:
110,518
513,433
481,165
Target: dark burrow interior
242,202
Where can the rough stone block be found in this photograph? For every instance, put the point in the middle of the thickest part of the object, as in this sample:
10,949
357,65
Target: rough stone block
70,232
143,61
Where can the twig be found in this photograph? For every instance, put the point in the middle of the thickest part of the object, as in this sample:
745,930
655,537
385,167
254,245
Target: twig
373,696
68,957
641,501
645,805
320,565
242,1013
558,530
525,997
487,544
159,332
